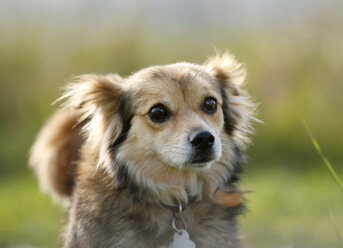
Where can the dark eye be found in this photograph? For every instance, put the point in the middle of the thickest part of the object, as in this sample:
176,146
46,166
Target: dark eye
158,113
210,105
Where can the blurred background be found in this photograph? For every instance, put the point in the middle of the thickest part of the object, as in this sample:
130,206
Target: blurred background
293,51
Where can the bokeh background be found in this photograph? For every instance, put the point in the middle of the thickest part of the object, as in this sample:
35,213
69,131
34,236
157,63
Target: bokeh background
293,51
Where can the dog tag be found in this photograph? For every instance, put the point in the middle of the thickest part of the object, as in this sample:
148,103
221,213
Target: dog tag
181,240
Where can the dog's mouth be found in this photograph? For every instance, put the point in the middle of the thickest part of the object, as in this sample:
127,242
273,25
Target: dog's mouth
197,165
201,158
192,160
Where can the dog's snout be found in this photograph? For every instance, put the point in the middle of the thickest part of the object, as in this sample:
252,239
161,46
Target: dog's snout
203,140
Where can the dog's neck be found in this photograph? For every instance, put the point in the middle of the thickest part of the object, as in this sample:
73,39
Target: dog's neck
178,187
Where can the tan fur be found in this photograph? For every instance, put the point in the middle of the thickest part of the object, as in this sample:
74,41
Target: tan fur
55,153
126,173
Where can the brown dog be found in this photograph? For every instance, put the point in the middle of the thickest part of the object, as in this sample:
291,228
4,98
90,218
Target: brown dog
127,153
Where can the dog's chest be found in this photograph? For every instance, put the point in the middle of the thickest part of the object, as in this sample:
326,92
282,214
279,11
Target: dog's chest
112,221
206,224
109,222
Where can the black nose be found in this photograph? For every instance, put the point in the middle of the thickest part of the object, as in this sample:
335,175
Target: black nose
203,140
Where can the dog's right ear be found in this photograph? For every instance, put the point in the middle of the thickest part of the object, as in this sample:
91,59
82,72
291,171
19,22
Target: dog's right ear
94,93
99,98
89,100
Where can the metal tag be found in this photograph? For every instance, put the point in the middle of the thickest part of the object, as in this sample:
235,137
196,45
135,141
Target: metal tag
181,240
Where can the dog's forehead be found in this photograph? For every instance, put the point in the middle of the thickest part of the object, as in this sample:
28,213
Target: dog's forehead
168,79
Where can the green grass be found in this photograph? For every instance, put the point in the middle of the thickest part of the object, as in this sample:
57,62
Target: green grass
27,217
285,209
324,158
290,209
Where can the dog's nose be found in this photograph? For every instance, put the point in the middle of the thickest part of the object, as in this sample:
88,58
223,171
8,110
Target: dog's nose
203,140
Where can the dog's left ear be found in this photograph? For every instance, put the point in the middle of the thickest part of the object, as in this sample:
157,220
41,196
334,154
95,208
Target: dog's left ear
237,108
228,71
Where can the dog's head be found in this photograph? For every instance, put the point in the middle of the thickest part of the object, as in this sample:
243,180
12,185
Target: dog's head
177,118
176,131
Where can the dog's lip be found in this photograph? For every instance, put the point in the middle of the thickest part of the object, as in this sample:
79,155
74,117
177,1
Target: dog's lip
198,165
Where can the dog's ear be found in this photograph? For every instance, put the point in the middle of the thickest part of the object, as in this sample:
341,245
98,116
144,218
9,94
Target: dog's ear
94,93
89,100
237,108
228,71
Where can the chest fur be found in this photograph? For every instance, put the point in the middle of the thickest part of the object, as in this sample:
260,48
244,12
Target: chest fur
116,221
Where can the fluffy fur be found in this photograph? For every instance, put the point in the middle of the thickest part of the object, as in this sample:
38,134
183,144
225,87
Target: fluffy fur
124,175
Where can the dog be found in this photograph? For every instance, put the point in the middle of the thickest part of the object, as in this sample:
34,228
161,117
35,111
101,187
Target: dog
139,159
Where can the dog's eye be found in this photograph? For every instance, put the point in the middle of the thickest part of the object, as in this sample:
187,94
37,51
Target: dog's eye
210,105
158,113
